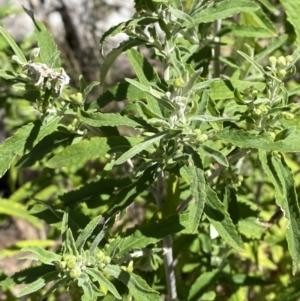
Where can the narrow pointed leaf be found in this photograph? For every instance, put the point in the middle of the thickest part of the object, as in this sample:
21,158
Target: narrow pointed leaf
96,275
286,198
18,210
214,153
38,284
106,119
87,231
42,255
139,147
222,10
217,214
24,140
18,52
137,286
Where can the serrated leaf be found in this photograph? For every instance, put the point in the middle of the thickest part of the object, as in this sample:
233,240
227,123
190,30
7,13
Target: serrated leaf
110,58
202,284
272,46
213,153
222,10
128,193
38,284
197,188
138,287
106,119
245,139
139,147
18,52
248,31
88,150
224,89
45,42
42,255
18,210
292,10
87,232
27,275
24,140
216,213
96,275
152,233
282,178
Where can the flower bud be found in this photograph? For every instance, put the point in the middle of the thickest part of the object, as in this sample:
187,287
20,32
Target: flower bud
281,62
74,273
288,115
272,61
281,73
179,83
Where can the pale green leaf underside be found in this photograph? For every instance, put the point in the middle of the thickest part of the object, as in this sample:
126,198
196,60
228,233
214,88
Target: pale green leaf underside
42,255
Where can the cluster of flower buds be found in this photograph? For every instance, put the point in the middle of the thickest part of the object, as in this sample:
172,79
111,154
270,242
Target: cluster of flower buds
280,65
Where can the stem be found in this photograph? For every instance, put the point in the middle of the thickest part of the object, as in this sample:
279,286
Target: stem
167,245
217,49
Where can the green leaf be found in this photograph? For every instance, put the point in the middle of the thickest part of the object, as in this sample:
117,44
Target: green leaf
197,187
291,292
18,210
110,58
45,147
18,52
284,133
145,73
128,193
96,275
46,43
263,141
282,178
54,287
106,119
89,88
38,284
152,233
88,150
84,282
222,10
64,229
87,232
70,243
216,213
272,46
224,89
248,31
202,284
253,63
24,140
213,153
149,90
139,147
28,275
137,286
41,255
292,10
